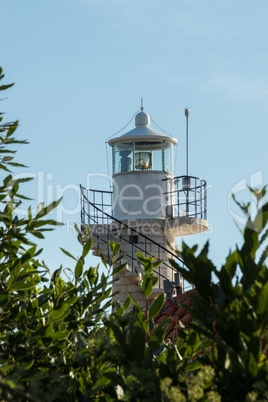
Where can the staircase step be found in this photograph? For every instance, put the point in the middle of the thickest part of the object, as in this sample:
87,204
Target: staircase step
101,248
155,293
98,251
133,277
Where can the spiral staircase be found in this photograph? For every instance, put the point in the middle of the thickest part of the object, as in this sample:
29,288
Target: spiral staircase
96,215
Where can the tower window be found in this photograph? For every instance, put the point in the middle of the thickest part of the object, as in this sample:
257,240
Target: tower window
134,239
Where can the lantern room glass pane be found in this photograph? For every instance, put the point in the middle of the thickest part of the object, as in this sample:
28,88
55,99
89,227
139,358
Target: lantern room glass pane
123,157
143,156
148,156
168,157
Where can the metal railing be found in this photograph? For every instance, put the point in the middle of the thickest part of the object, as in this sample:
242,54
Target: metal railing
94,201
187,196
104,227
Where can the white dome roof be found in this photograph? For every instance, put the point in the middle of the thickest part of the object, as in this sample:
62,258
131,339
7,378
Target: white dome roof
142,131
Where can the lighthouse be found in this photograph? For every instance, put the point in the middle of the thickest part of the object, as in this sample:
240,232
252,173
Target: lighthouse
147,208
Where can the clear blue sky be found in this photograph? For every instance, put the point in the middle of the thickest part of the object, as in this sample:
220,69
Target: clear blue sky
81,67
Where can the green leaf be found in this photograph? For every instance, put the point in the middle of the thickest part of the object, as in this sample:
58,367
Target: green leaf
7,180
59,336
156,306
261,218
68,254
119,335
78,269
157,263
119,268
125,306
87,247
158,336
17,268
3,167
61,317
10,282
251,241
71,300
92,275
117,248
192,343
147,286
49,330
192,366
3,87
231,263
56,314
48,209
119,258
252,365
263,300
141,257
154,280
102,381
225,280
37,234
28,255
21,285
28,365
35,303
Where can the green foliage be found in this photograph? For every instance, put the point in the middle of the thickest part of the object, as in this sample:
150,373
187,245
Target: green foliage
149,279
67,340
233,313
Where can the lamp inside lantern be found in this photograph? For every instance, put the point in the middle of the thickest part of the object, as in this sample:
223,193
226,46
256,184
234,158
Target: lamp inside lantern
143,160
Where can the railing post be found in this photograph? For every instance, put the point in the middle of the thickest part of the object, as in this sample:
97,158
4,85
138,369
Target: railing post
145,247
205,196
178,200
195,200
108,238
102,205
88,209
132,256
201,200
81,214
187,202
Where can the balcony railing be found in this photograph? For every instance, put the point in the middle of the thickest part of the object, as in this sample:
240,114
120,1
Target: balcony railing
187,196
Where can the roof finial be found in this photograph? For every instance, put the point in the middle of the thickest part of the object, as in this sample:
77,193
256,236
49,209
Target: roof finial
187,113
141,104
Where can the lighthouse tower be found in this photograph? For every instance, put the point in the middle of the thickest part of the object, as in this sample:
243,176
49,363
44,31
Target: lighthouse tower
148,208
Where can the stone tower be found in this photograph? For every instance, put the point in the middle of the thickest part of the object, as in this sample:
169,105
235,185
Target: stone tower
147,208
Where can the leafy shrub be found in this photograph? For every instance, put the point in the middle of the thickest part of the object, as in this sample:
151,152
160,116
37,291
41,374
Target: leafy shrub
66,340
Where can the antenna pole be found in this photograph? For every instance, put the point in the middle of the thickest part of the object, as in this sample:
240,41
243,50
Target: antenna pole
142,104
187,112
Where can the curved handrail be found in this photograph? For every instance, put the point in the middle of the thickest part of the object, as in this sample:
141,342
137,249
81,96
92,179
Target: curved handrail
133,231
183,176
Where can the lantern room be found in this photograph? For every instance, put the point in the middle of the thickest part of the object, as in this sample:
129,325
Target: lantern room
143,155
143,149
142,164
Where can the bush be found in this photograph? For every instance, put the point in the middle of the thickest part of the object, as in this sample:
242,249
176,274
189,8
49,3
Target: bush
66,340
